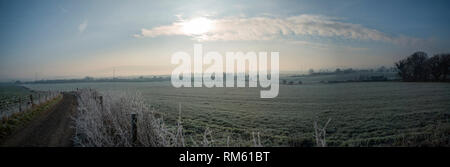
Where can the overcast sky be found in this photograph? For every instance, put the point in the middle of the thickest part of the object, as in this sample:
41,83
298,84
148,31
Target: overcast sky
64,39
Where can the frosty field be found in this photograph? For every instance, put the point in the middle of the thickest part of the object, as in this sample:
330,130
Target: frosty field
362,113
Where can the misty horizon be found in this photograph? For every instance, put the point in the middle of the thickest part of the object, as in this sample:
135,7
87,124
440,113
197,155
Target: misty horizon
64,39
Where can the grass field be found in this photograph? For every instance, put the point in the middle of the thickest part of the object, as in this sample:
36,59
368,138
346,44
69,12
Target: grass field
10,92
16,98
10,96
363,114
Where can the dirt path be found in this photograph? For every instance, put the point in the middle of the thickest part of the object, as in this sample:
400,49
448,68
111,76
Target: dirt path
53,128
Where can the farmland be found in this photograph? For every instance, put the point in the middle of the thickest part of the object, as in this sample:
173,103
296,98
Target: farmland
15,98
9,93
362,113
10,97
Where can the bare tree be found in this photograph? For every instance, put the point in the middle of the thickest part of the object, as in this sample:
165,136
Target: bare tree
444,65
414,67
434,64
402,70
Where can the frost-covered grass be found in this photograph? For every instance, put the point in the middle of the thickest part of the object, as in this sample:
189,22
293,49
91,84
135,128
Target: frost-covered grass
104,120
363,114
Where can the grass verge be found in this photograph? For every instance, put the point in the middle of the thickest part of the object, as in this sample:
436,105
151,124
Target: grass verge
17,120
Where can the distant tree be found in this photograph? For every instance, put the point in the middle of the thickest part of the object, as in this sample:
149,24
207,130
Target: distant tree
417,61
382,69
434,64
284,82
414,67
291,82
348,70
88,78
311,71
444,65
402,70
300,82
392,69
338,70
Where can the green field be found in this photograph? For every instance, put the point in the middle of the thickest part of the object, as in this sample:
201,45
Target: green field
8,92
11,94
362,113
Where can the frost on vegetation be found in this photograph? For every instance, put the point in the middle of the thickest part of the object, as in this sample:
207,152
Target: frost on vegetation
104,120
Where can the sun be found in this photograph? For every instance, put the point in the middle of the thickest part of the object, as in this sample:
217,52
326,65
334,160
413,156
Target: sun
197,26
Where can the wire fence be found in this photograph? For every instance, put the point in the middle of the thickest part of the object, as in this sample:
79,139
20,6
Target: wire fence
15,104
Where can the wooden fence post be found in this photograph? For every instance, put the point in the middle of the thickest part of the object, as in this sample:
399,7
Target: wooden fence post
133,128
20,104
101,102
31,100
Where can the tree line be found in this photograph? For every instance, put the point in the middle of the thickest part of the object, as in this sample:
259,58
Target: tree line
420,67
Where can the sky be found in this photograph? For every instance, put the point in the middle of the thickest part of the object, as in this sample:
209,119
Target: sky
51,39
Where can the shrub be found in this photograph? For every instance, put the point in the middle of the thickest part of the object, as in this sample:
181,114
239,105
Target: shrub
104,120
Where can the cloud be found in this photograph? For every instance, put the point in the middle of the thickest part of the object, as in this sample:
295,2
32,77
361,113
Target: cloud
63,10
269,28
83,26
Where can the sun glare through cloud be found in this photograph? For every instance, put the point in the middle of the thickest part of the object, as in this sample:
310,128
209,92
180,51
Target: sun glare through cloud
196,26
